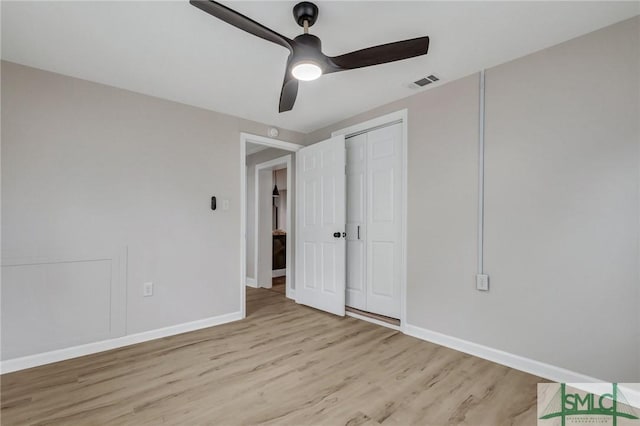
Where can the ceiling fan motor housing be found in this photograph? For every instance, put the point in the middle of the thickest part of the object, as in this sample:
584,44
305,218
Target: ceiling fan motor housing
308,49
305,11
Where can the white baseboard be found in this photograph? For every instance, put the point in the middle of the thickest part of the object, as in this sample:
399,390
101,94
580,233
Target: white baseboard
541,369
251,282
29,361
278,273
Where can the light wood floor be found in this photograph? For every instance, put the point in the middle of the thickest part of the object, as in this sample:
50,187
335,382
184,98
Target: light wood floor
284,364
275,281
278,285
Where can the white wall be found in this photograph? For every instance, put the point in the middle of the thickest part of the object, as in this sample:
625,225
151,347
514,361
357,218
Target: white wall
281,179
103,190
282,211
562,205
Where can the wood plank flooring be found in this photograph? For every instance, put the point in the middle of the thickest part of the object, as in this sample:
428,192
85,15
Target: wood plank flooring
278,288
284,364
275,281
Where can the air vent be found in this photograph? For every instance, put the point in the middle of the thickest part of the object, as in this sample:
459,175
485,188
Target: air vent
426,80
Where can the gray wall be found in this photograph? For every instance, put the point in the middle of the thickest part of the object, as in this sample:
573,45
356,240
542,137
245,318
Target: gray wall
103,190
561,202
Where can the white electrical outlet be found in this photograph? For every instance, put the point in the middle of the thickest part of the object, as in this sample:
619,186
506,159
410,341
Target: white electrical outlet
482,282
147,289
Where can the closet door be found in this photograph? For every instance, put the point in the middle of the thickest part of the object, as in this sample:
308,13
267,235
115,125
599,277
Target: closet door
384,227
356,219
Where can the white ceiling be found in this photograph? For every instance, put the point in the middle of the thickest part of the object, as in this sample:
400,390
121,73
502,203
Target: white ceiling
174,51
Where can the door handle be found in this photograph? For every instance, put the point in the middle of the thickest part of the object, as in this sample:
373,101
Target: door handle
358,231
336,235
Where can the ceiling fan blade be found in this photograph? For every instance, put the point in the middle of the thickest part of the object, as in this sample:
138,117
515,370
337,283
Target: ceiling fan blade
289,91
238,20
381,54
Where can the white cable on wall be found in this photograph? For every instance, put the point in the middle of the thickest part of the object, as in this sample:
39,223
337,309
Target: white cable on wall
481,178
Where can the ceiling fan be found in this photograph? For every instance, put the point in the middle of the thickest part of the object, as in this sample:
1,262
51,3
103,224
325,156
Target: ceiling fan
306,61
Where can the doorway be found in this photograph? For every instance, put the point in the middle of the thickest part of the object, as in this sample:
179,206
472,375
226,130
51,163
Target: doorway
319,278
260,158
272,222
365,165
376,168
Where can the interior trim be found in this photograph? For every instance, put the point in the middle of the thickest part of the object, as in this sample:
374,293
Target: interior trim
541,369
35,360
272,143
401,116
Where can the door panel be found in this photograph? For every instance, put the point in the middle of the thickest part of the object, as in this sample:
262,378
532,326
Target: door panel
384,163
309,208
356,219
329,262
383,195
355,275
309,266
321,205
328,191
382,268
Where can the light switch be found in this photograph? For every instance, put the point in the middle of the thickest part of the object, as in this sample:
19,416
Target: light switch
147,289
482,282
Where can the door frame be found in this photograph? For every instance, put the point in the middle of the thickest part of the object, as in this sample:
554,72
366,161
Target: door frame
271,143
400,116
286,161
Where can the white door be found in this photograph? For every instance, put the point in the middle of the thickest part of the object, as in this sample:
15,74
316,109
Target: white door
374,214
320,213
356,221
384,215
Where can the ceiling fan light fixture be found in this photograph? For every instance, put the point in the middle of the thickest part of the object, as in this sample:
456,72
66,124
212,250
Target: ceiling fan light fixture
306,60
306,71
